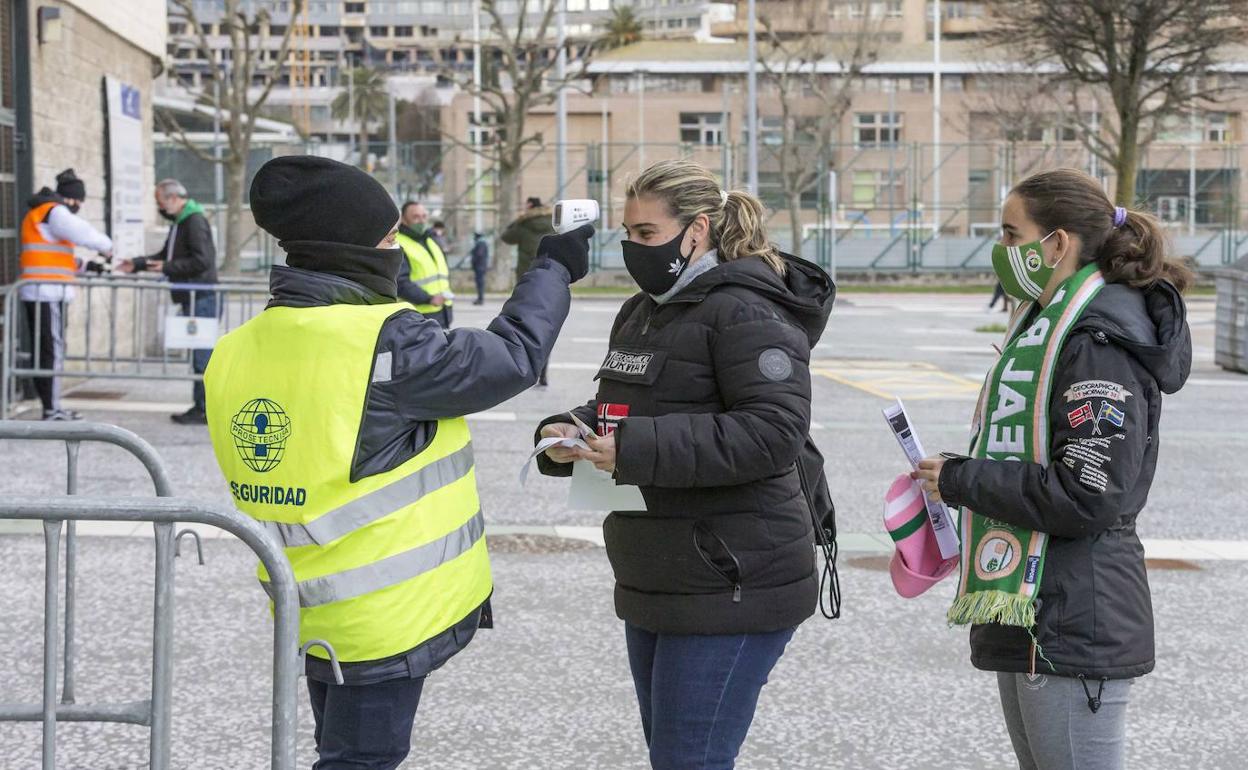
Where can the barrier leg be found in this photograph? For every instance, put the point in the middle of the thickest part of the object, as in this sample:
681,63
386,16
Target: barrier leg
71,574
52,554
162,648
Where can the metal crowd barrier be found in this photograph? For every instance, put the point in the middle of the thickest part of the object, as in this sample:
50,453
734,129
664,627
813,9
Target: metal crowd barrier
164,512
113,328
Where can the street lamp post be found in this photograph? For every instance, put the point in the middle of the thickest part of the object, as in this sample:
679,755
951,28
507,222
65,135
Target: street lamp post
478,216
752,103
561,101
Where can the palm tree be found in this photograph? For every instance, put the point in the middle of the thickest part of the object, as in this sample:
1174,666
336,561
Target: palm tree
624,28
365,96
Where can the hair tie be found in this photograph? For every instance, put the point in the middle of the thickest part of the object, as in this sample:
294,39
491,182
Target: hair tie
723,198
1120,216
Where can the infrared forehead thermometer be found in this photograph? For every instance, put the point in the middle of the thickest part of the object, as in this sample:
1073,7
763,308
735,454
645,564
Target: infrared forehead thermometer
571,214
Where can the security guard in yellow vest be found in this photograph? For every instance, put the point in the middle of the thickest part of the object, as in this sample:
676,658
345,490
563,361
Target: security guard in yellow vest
337,417
426,281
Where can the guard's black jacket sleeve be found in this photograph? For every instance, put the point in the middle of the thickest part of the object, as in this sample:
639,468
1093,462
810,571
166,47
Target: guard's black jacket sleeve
1095,464
764,423
587,413
438,374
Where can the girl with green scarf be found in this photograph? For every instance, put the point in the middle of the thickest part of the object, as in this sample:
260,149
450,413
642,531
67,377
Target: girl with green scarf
1064,445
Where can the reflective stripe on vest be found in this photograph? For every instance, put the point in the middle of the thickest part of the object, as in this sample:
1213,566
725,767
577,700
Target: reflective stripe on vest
389,571
362,511
384,562
41,259
46,246
427,269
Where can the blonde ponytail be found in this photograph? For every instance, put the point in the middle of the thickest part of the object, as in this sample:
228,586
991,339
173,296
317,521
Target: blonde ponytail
689,189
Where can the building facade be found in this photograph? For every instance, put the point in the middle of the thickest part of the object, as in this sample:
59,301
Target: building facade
53,110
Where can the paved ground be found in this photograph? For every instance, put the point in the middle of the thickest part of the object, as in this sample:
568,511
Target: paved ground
888,686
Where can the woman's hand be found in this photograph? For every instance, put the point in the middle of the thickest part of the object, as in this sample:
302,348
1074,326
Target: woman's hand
929,475
601,452
561,454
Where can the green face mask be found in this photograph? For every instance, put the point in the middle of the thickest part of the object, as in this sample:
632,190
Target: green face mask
419,228
1021,269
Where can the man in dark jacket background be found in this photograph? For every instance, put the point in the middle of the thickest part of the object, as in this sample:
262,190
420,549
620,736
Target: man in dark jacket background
525,233
188,257
480,264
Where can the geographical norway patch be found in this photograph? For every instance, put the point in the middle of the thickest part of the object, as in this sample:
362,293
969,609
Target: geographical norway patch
609,416
631,364
1089,389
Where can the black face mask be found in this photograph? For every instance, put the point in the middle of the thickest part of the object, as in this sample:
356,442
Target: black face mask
73,207
166,215
656,268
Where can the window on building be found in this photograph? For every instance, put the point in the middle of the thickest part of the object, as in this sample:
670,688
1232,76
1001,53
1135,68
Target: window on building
403,30
877,129
951,83
327,30
177,28
704,128
1217,127
770,131
277,30
875,189
487,132
354,34
894,9
1020,129
378,31
206,28
353,7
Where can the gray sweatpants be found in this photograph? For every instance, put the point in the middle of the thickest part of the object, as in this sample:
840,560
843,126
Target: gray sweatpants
1052,727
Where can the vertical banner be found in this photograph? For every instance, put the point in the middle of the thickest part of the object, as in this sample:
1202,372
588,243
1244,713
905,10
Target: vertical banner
125,168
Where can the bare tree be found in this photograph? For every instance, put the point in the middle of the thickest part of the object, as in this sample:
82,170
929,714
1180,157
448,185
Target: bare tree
231,91
518,64
1143,60
813,101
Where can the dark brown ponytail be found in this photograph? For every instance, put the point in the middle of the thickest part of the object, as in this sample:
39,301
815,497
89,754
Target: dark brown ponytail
1133,253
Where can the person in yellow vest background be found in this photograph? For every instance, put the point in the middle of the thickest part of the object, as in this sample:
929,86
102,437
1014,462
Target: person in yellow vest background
426,281
50,230
337,417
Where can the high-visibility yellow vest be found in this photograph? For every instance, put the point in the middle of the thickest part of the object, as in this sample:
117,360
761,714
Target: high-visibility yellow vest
385,562
427,269
42,259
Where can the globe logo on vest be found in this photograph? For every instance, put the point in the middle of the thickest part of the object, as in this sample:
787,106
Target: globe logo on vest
260,430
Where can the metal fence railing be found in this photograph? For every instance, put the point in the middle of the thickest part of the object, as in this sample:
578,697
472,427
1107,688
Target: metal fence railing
869,206
123,328
165,513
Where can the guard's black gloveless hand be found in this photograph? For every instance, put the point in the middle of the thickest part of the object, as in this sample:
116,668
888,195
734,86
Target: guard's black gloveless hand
569,249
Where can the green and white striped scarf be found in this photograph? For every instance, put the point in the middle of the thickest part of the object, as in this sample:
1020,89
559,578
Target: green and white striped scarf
1002,564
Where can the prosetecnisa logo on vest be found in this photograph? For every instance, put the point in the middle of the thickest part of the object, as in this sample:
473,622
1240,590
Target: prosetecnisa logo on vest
260,430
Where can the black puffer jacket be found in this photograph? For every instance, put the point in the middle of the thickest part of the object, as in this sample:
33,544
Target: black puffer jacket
1095,613
711,395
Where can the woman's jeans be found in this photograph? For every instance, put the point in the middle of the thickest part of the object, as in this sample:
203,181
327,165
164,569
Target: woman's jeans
698,693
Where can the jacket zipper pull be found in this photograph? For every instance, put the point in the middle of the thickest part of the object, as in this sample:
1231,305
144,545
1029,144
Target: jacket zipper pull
736,594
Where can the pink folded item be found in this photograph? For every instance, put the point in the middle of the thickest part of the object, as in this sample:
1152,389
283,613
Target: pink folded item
916,564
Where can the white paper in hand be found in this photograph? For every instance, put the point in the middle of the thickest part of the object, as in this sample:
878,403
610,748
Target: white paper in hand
542,446
595,490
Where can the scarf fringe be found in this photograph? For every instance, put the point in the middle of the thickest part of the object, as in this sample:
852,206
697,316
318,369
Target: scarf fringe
982,607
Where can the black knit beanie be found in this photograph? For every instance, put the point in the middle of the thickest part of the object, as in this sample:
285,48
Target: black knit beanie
307,198
68,185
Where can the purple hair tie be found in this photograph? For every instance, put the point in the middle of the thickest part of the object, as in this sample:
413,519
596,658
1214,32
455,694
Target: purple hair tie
1120,216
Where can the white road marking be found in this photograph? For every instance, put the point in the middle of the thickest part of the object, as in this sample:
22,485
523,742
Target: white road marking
587,340
574,365
493,416
981,350
1208,382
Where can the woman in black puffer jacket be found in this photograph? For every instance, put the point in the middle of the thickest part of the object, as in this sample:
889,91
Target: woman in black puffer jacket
704,403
